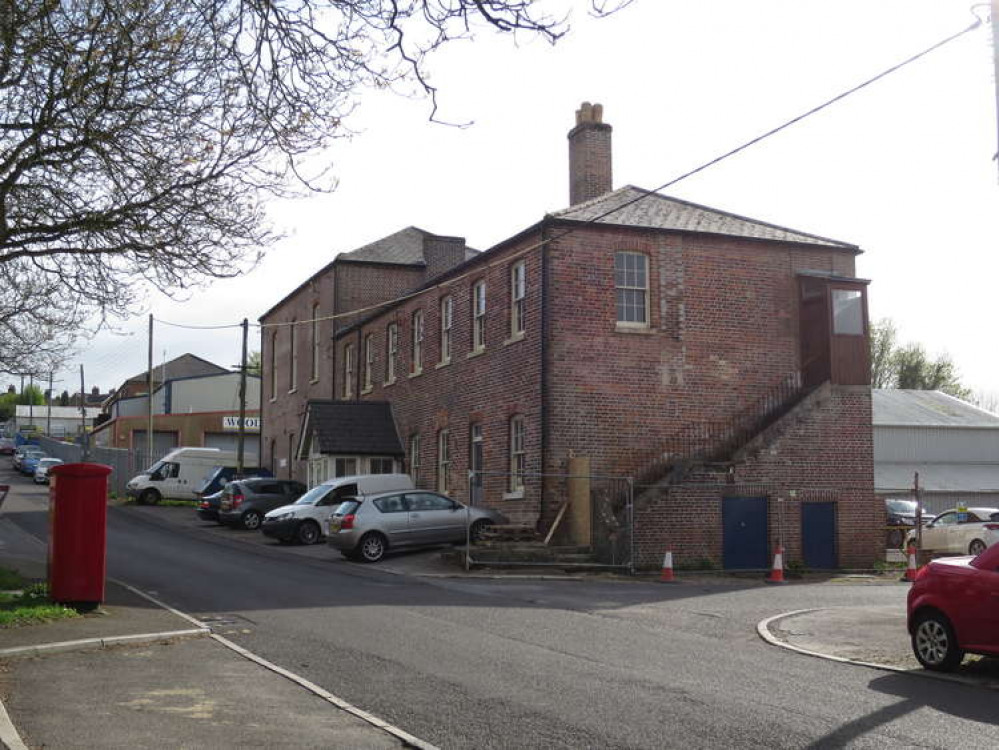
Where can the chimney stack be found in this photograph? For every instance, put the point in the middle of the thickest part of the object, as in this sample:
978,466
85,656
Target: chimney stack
589,155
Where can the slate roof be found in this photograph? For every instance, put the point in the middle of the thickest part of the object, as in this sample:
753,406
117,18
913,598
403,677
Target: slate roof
352,428
661,212
404,247
184,366
913,408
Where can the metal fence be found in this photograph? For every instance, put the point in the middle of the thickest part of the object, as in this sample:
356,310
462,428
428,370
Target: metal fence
567,521
124,464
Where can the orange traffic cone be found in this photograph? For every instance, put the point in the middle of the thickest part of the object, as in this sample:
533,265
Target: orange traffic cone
667,575
777,572
910,571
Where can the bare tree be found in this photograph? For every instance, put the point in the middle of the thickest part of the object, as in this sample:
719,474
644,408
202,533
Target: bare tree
139,139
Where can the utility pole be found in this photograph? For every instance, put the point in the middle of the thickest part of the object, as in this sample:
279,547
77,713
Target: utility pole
83,418
149,397
48,416
995,57
242,405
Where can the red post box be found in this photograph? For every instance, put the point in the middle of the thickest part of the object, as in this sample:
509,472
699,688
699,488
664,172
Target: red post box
78,496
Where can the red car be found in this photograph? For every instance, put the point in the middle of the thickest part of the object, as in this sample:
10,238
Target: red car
953,608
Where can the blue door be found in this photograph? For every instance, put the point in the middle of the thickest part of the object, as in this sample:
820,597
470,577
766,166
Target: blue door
744,533
818,535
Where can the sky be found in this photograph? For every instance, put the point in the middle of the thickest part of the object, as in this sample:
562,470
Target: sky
905,168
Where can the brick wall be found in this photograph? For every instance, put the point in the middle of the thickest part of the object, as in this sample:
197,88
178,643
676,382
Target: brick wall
486,388
723,330
821,452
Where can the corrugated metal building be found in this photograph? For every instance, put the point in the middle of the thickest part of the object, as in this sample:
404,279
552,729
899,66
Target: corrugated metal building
953,445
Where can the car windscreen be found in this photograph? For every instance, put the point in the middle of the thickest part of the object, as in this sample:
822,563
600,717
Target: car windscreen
313,496
901,506
347,507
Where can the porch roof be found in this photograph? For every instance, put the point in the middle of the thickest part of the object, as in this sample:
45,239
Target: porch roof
353,428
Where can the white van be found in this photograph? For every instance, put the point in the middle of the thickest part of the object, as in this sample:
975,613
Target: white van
180,473
304,521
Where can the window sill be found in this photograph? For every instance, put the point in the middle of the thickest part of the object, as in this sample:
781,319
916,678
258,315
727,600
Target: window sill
475,353
439,365
518,495
641,330
387,383
415,374
366,391
313,381
293,390
514,339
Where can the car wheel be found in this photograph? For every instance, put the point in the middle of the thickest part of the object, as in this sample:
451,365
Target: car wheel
976,547
149,497
934,643
307,533
251,520
372,547
475,533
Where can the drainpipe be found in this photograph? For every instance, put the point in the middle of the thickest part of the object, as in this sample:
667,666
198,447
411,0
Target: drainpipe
544,360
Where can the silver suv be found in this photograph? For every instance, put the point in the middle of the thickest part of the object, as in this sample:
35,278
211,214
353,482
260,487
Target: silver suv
365,528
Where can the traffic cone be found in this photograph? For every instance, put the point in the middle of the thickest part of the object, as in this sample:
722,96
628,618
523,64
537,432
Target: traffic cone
667,574
910,571
777,572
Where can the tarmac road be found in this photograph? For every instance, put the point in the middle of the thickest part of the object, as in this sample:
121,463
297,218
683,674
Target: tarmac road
499,664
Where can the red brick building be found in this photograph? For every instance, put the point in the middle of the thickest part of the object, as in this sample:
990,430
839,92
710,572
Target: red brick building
717,362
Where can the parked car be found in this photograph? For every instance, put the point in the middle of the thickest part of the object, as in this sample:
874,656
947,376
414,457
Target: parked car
953,609
27,449
6,446
42,469
219,476
30,462
959,533
245,501
208,506
365,528
900,513
305,521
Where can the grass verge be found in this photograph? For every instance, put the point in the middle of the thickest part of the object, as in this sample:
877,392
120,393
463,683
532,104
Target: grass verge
26,603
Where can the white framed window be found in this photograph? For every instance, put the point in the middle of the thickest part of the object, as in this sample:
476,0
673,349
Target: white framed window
417,365
381,465
292,358
414,458
518,293
348,373
479,316
631,288
315,342
345,467
447,309
391,351
274,372
518,453
369,360
443,460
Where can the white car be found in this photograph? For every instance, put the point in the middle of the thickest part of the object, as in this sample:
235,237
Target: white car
960,533
42,470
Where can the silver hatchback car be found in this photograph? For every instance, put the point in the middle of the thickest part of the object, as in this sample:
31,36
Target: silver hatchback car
365,528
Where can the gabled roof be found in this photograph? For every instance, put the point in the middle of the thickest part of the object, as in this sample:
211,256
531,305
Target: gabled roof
912,408
643,208
364,428
184,366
